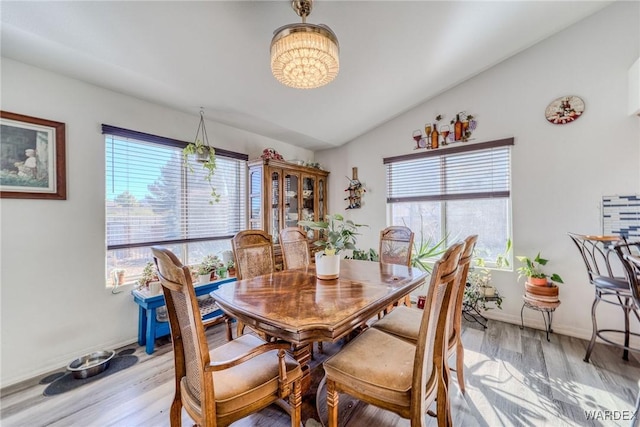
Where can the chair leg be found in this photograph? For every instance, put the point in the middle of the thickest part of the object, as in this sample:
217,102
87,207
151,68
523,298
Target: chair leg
626,309
295,401
592,343
332,403
635,422
240,329
228,321
175,414
460,365
442,403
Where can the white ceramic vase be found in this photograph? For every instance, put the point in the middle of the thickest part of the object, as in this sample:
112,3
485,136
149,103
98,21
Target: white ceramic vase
327,266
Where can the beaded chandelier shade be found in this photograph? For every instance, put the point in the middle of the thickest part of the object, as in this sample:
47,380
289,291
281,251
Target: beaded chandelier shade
304,56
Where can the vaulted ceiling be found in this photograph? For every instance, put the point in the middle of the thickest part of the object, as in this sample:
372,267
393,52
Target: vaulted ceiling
394,55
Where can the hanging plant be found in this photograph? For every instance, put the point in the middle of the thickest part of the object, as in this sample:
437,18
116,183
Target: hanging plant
205,155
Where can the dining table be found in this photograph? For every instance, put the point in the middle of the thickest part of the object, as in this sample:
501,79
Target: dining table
297,307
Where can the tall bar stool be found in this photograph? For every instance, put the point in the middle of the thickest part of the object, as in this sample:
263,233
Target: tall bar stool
606,273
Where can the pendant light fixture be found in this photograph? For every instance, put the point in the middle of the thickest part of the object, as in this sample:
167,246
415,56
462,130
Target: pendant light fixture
304,56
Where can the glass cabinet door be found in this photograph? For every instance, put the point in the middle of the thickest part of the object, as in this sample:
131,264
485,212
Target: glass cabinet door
274,227
321,202
308,203
255,199
291,198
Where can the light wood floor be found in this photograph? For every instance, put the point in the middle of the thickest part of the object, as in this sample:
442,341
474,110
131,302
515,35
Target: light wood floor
514,378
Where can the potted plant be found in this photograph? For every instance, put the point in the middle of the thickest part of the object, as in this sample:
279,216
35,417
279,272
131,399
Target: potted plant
337,234
119,276
479,286
204,154
222,271
209,264
231,268
532,270
149,277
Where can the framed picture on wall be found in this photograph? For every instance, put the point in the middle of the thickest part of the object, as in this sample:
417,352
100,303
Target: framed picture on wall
32,158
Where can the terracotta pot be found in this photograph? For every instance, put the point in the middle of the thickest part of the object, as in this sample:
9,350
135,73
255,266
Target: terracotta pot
536,281
547,291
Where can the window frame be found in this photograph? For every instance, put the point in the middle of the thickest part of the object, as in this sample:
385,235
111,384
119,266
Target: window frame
444,197
141,137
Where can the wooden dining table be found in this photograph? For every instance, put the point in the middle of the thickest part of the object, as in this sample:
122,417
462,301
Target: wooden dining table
295,306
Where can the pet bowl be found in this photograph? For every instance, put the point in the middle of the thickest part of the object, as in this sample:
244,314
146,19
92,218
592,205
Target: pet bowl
90,364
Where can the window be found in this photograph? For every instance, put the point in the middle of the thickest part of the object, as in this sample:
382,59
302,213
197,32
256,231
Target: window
153,199
450,194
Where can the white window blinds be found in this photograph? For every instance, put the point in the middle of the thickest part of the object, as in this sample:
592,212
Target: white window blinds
152,198
471,171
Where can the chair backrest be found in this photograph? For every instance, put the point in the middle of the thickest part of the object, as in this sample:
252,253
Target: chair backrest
190,347
431,338
633,275
253,253
631,263
598,255
396,243
454,322
295,247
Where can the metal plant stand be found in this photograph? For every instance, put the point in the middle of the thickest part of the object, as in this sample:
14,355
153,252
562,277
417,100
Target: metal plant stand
546,308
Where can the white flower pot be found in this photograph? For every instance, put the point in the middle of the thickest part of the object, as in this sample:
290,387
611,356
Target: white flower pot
204,278
327,266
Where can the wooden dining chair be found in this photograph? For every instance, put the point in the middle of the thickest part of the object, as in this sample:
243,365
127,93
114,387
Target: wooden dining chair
253,255
386,371
404,322
295,248
295,254
219,386
396,244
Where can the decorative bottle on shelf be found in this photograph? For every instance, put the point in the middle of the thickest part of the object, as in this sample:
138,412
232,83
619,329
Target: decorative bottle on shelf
434,137
457,128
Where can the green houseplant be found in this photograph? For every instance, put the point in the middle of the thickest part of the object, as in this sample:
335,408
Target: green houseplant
479,287
204,154
208,265
337,234
532,270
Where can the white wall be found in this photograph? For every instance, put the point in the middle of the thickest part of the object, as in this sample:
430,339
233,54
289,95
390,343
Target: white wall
54,305
560,173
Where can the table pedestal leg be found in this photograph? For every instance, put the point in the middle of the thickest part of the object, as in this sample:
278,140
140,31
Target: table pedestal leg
302,353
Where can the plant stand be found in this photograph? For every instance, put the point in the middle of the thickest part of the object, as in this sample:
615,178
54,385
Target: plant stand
546,308
471,312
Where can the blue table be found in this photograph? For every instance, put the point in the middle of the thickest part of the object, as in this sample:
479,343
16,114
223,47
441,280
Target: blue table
148,326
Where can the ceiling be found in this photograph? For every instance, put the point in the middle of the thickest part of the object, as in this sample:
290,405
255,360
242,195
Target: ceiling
394,55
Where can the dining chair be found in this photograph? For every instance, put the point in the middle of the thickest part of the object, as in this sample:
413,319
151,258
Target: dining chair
404,322
632,270
386,371
396,244
606,274
253,255
295,254
295,248
219,386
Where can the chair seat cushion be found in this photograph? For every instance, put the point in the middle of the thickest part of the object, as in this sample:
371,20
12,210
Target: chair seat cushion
250,381
377,364
614,284
403,322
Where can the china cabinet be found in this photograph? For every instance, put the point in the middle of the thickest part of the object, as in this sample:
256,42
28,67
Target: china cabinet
281,194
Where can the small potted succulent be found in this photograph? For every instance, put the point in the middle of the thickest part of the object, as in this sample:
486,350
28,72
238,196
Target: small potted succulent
337,234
